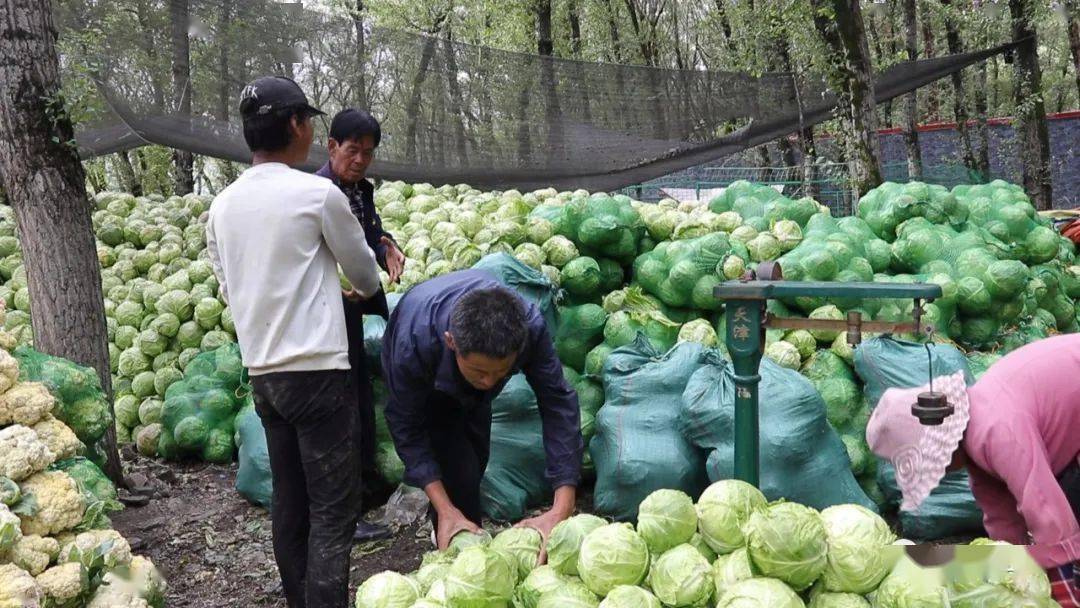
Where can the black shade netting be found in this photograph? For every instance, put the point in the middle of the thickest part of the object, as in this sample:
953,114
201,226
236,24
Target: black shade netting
450,112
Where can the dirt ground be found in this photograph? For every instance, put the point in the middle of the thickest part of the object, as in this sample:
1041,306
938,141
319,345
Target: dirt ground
214,547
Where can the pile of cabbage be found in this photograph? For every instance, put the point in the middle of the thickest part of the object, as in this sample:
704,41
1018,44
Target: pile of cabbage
162,302
731,549
56,545
1002,288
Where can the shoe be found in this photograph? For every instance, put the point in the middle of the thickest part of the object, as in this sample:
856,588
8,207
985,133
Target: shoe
366,533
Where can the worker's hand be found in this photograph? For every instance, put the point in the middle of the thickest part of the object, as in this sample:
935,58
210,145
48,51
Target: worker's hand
451,522
544,524
395,260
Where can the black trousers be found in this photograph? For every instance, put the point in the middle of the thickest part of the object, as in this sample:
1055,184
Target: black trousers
354,325
461,441
312,436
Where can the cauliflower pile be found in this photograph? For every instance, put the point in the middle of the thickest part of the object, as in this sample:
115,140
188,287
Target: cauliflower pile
53,550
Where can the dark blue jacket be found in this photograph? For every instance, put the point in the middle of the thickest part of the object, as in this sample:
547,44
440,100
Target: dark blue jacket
416,362
361,197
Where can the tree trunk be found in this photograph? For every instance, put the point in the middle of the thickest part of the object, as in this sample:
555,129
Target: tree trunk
911,100
764,162
361,55
933,103
412,110
149,47
456,104
128,179
1073,9
809,156
613,30
544,44
183,177
725,22
995,79
1030,108
225,87
840,24
960,110
45,185
886,108
575,28
983,165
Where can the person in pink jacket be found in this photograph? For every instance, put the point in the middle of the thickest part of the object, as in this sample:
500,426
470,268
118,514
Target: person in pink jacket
1017,431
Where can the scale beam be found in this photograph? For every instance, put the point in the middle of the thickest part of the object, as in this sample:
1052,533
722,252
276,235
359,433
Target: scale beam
774,290
746,318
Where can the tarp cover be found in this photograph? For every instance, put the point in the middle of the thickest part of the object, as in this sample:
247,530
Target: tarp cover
451,112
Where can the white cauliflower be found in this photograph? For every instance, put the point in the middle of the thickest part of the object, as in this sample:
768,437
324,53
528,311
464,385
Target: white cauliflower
10,529
117,594
34,553
60,505
58,437
7,341
18,589
25,403
64,584
21,453
113,547
140,578
9,371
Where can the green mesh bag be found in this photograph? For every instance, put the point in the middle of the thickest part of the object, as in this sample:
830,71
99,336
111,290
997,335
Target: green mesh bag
884,363
528,282
98,492
80,402
803,459
253,479
198,414
514,479
581,328
638,448
681,274
600,226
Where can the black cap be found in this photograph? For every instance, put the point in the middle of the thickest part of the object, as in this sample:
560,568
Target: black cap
271,94
350,123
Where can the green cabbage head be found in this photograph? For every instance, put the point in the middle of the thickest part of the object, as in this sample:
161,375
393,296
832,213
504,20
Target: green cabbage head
666,519
480,578
787,541
571,594
723,512
387,590
838,600
565,542
681,577
760,593
519,545
537,583
626,596
613,555
856,563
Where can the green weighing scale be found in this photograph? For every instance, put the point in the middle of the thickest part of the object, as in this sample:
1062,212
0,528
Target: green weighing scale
747,319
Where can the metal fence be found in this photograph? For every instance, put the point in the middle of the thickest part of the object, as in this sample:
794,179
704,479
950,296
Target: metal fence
828,183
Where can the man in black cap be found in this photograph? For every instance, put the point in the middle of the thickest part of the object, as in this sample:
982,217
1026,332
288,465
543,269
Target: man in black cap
276,237
354,136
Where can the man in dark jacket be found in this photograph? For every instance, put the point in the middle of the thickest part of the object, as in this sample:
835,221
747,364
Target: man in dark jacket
354,136
450,347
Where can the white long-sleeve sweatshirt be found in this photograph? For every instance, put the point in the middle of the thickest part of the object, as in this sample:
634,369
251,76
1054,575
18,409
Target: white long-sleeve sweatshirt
276,237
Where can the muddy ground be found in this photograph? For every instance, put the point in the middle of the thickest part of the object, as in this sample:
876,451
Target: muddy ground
214,547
